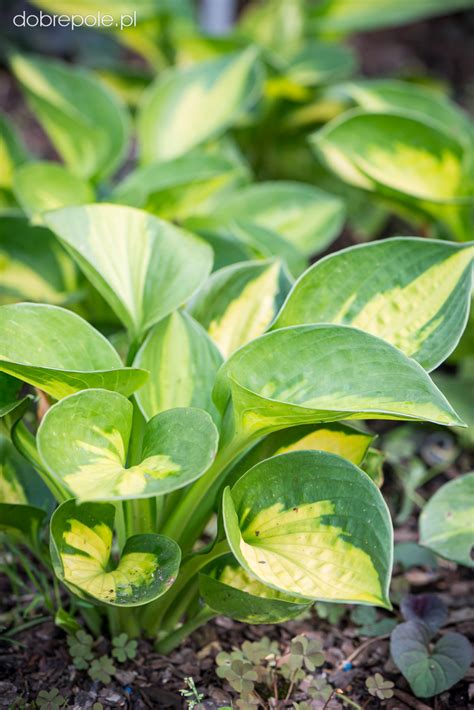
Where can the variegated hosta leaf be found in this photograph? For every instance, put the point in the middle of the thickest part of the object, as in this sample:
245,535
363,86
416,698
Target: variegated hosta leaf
180,188
239,302
59,352
12,152
314,525
402,158
81,542
341,439
83,441
41,187
33,266
186,107
142,266
414,293
22,523
427,104
304,215
229,590
84,120
182,361
323,373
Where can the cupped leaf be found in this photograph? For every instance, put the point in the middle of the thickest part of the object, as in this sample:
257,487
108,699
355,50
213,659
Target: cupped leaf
84,439
228,589
396,151
86,123
41,187
22,523
447,521
313,525
429,670
142,266
414,293
180,188
239,302
182,361
81,542
59,352
322,373
309,218
12,152
33,266
186,107
341,439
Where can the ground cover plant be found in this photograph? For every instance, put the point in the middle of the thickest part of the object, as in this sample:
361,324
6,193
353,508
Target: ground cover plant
188,390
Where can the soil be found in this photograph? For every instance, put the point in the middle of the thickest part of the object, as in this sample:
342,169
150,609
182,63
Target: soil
37,657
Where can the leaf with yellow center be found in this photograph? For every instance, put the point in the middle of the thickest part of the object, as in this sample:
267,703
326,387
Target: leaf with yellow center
81,542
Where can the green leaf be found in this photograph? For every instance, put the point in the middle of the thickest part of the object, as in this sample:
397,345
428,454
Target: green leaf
41,187
84,440
22,523
341,439
142,266
348,16
180,188
81,541
12,152
457,389
59,352
309,218
446,521
322,373
429,670
426,104
239,302
33,266
186,107
396,151
85,121
182,361
276,24
414,293
315,63
228,589
313,525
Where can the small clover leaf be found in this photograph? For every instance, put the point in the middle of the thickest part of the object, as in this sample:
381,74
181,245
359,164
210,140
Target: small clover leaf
102,669
330,611
306,652
258,651
320,690
50,700
240,675
80,649
124,648
379,687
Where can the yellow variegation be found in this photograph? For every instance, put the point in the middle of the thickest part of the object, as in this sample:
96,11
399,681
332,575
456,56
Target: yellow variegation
84,439
238,302
414,293
291,522
81,543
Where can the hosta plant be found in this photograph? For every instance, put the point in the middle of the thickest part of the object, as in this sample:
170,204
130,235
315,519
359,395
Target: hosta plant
216,466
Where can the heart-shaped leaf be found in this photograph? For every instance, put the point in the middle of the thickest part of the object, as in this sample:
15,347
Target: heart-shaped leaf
59,352
429,670
340,439
186,107
34,266
446,521
180,188
239,302
314,525
81,542
182,361
309,218
322,373
83,441
428,609
143,267
414,293
41,187
84,120
228,589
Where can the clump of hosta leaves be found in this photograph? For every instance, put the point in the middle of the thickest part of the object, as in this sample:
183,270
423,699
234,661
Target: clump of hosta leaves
262,677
